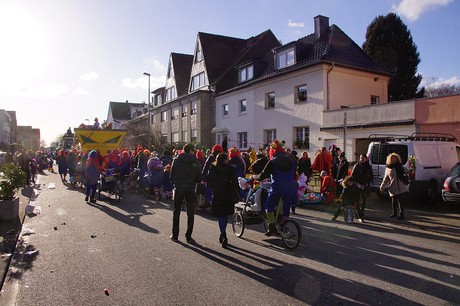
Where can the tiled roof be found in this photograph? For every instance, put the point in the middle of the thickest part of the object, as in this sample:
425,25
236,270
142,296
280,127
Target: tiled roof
219,52
122,110
337,48
182,64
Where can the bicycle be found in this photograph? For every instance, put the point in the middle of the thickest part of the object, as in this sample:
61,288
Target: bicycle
251,208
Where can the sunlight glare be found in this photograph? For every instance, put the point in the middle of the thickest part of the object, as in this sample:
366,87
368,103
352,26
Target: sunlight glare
23,54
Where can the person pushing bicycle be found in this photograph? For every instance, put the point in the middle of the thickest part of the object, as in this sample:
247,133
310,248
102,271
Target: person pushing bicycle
281,171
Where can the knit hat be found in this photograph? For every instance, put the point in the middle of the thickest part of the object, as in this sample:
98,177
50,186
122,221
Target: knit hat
217,148
233,152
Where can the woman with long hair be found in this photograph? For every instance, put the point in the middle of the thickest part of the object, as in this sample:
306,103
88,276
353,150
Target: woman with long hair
397,189
223,181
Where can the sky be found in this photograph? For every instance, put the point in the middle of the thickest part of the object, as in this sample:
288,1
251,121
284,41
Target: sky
63,61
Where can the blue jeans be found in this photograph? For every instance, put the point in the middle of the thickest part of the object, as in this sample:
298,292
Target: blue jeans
222,221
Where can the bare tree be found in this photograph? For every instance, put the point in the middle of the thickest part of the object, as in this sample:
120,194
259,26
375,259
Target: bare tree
442,90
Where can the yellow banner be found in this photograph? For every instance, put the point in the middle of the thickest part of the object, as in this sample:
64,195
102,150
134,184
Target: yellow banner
102,140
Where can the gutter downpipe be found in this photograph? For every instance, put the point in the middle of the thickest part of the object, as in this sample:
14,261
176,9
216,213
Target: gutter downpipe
327,85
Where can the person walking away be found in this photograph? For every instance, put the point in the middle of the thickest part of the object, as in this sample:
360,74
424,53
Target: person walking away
397,188
185,175
362,172
61,161
327,187
155,172
24,161
143,158
72,165
305,165
342,172
350,196
166,161
216,149
280,169
224,183
92,173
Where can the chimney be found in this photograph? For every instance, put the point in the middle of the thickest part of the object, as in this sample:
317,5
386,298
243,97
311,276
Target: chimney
321,26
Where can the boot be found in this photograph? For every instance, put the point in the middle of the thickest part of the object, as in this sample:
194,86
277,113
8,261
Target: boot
224,241
401,216
221,238
272,231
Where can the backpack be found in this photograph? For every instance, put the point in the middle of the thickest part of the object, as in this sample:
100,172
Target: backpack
402,175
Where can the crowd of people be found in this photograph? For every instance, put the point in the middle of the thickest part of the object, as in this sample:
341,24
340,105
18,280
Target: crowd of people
183,173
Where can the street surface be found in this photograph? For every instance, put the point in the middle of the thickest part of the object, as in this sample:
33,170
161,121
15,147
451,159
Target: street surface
78,250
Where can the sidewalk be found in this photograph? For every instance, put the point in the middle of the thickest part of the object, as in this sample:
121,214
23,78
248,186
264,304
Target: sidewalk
9,233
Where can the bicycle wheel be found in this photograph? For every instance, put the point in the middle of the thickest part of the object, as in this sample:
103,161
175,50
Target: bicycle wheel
238,224
291,234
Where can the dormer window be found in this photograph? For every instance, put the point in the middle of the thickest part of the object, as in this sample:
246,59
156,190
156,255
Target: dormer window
171,93
285,58
170,70
197,81
198,55
245,73
158,100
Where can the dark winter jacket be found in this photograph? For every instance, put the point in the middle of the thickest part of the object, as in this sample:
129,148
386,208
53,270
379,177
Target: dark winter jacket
185,172
362,173
342,170
224,183
207,164
281,170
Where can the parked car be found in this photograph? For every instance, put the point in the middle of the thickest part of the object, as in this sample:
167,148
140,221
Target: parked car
451,188
428,157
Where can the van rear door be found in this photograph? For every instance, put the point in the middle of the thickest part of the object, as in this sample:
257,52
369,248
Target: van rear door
427,162
378,158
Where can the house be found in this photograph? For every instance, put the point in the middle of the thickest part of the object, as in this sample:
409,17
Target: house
299,83
183,111
121,112
5,130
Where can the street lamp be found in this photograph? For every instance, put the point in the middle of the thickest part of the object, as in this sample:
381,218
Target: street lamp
148,110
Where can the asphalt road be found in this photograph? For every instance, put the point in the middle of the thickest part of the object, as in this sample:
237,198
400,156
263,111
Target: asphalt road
78,250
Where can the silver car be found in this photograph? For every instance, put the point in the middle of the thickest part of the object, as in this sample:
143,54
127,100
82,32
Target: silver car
451,188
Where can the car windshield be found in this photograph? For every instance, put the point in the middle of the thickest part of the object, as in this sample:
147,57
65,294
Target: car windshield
455,171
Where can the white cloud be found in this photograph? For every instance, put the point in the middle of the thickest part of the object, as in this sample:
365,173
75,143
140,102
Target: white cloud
142,82
155,64
433,82
79,91
45,91
413,9
293,24
90,76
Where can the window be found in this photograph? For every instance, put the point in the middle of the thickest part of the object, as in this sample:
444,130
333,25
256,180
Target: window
164,138
381,151
194,108
225,110
170,70
270,100
198,55
301,93
171,93
193,135
242,140
302,137
197,81
245,73
242,106
269,136
175,113
184,136
375,99
184,111
158,100
285,58
175,137
164,116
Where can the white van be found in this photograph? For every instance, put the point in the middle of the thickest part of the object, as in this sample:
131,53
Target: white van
427,156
